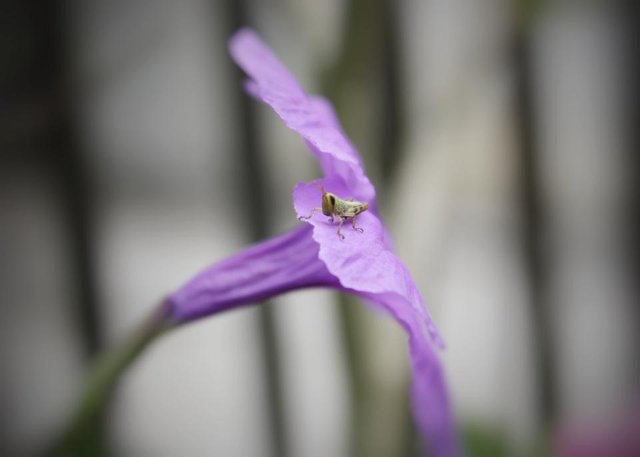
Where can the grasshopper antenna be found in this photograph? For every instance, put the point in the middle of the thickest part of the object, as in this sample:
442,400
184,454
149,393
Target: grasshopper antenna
320,186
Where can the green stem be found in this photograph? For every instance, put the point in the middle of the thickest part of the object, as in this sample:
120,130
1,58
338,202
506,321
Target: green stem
101,381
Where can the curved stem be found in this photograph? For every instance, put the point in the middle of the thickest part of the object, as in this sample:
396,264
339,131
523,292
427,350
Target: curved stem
101,381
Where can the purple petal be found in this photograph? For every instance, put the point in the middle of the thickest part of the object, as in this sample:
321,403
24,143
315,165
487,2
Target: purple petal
311,117
258,273
362,261
364,264
429,397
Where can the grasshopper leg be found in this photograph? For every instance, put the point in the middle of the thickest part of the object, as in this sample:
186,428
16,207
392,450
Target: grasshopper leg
353,224
304,218
340,222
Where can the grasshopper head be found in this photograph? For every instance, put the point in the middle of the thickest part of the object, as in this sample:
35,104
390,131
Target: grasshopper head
328,201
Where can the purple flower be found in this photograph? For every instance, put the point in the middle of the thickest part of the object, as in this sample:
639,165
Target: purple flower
312,255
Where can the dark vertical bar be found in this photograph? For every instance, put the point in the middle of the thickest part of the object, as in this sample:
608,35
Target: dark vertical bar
370,55
532,223
353,63
39,84
393,108
629,17
254,192
36,81
392,100
70,169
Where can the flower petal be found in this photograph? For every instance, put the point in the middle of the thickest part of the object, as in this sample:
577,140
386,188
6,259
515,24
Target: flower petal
429,398
258,273
361,261
364,265
311,117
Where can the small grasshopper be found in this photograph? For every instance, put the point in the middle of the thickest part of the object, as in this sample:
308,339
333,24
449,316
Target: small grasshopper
332,205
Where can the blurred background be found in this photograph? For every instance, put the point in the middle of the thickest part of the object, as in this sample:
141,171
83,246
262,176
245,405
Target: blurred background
502,137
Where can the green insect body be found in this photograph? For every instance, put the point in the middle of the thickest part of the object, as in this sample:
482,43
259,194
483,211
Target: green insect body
334,206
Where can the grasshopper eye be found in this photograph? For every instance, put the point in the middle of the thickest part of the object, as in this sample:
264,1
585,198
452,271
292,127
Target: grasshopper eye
332,199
